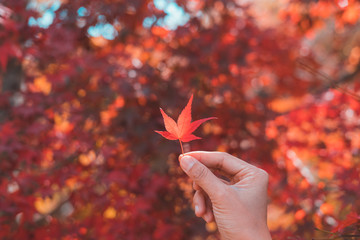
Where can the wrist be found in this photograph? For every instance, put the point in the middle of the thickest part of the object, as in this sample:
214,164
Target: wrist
248,233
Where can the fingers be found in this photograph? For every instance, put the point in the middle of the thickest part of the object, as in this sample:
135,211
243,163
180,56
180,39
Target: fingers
220,160
202,176
197,187
209,215
203,206
199,203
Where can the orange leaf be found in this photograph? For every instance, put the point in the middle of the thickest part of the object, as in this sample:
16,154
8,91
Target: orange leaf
182,129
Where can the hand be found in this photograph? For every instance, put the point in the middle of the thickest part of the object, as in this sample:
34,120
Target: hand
239,207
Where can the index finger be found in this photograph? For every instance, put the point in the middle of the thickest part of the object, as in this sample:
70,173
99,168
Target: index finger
220,160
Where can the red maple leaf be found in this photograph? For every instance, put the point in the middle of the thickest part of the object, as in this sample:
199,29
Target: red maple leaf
351,219
182,129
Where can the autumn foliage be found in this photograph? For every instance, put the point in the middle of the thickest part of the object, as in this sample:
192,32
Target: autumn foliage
183,128
79,158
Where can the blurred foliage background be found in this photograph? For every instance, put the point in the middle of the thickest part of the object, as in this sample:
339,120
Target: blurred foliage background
82,82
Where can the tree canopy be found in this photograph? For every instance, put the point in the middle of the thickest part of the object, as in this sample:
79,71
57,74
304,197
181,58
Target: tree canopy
79,158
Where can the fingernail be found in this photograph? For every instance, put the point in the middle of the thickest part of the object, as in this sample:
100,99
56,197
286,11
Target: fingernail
196,209
187,162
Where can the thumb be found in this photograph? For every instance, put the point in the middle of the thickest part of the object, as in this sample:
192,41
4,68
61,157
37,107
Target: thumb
202,176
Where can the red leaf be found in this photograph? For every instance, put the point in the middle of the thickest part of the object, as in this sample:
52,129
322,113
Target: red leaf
351,218
197,123
182,129
184,119
170,124
167,135
189,138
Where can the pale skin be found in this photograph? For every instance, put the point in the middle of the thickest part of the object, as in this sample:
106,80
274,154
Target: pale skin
238,206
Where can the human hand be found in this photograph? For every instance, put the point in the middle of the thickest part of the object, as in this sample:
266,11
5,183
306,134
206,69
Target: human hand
239,207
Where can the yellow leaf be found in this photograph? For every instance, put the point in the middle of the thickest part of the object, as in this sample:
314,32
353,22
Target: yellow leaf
41,84
282,105
110,213
87,159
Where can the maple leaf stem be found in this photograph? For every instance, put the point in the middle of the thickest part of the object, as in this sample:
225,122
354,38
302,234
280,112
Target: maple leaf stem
182,150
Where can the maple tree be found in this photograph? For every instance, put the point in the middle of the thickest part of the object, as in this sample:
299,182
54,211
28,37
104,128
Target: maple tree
182,129
78,155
